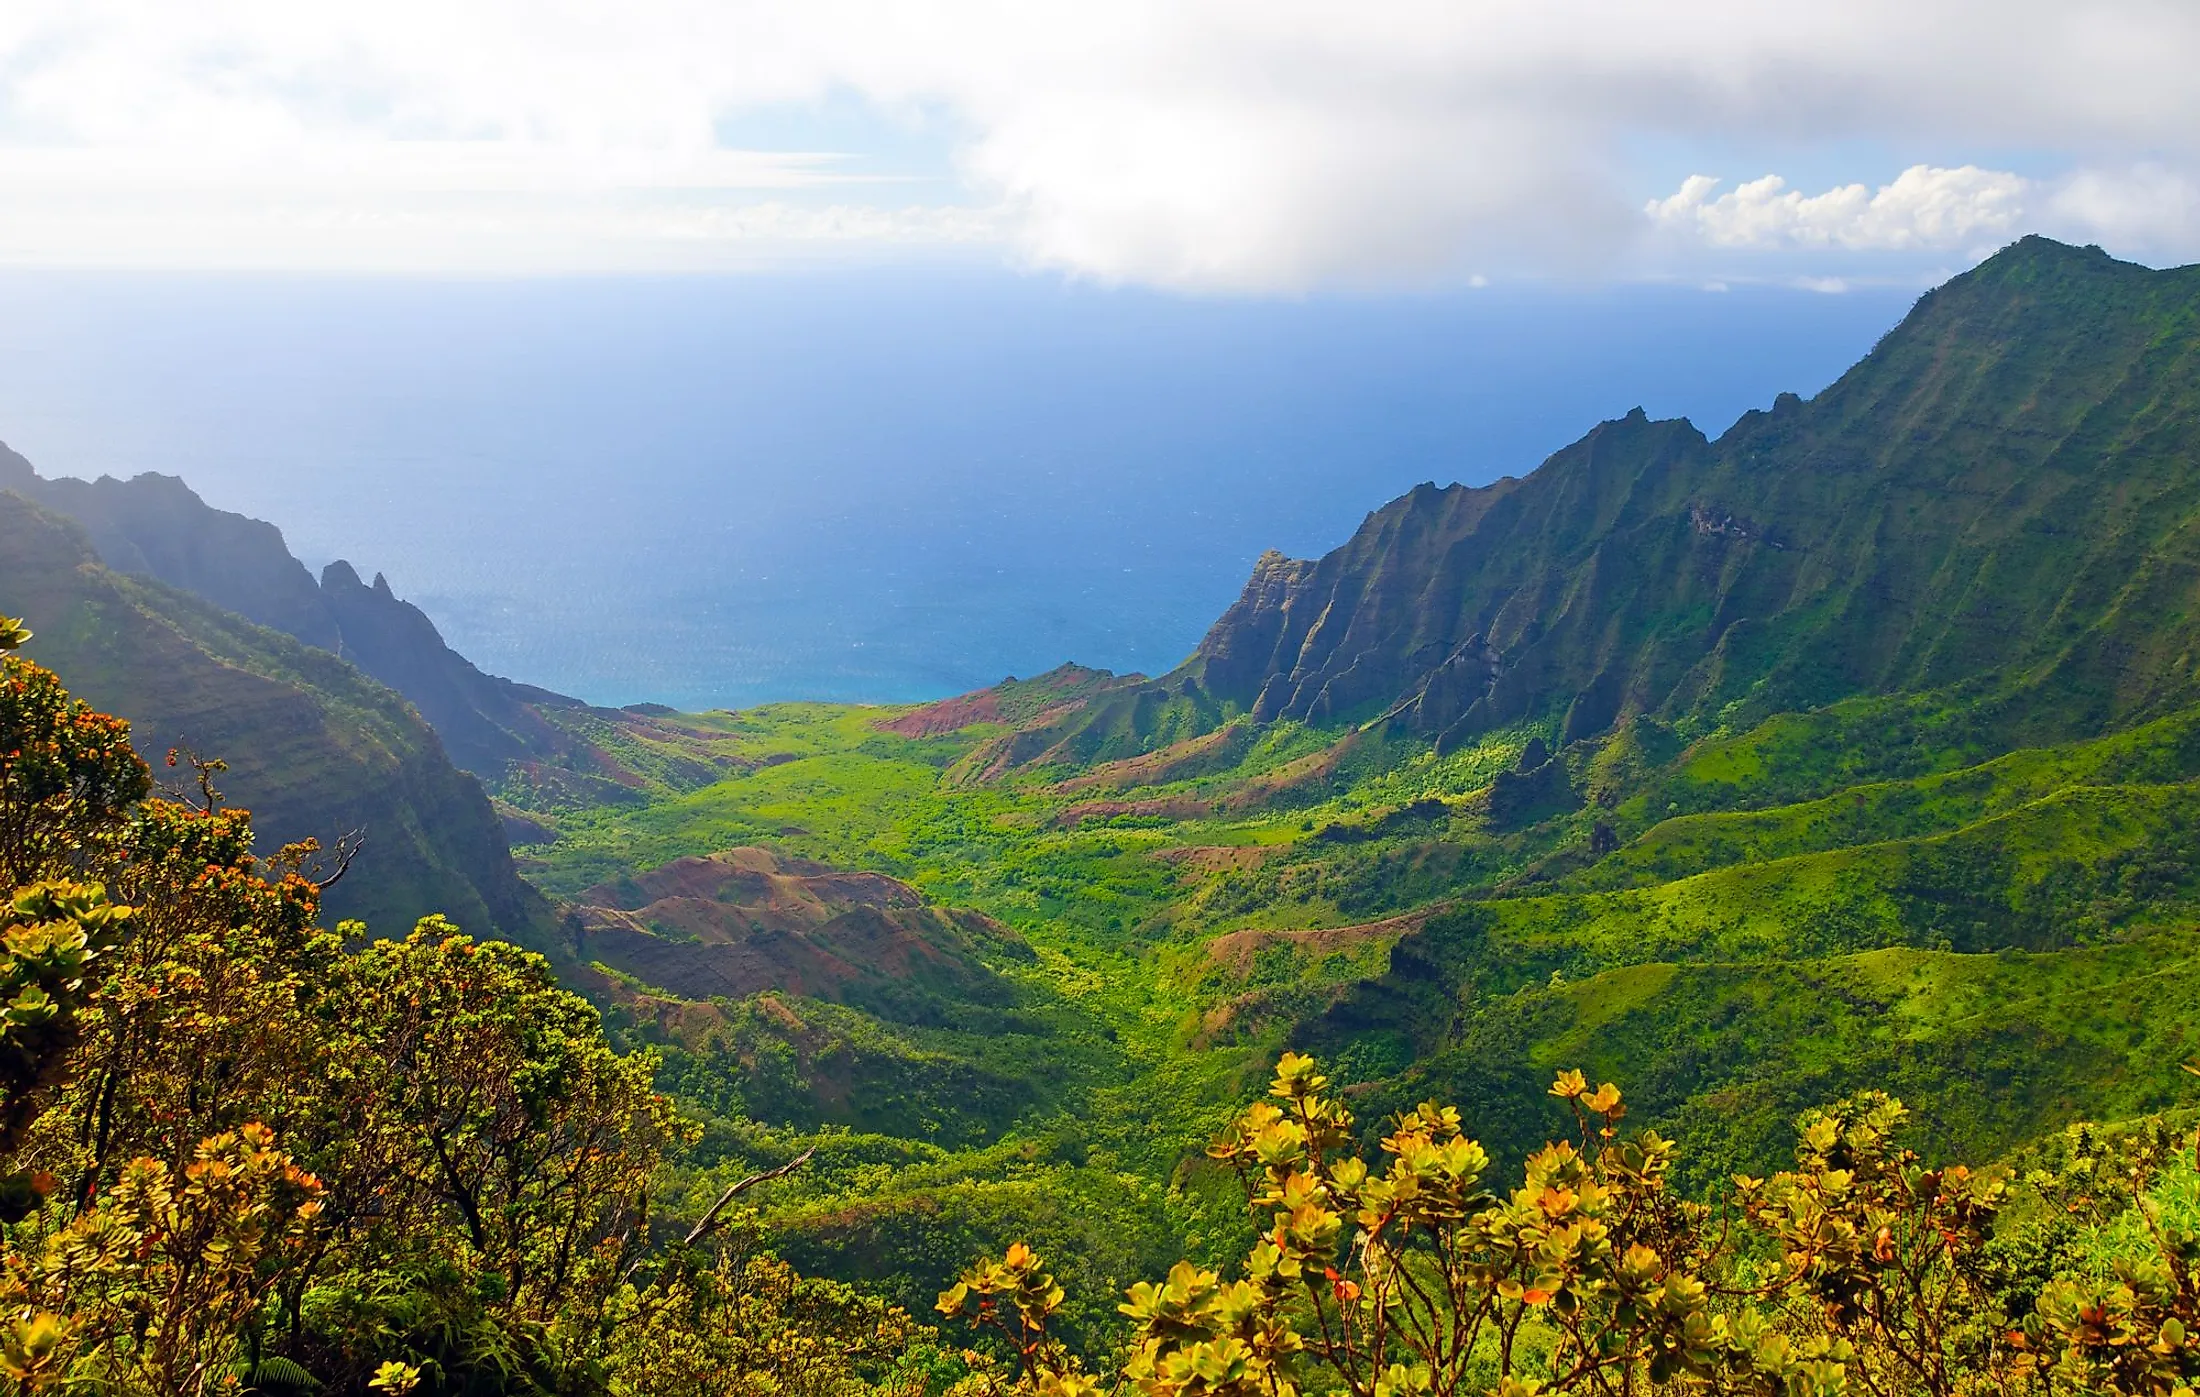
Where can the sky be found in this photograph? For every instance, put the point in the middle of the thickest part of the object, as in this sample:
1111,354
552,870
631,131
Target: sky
1205,147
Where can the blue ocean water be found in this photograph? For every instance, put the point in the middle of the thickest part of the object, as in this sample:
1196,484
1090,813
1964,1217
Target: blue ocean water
855,484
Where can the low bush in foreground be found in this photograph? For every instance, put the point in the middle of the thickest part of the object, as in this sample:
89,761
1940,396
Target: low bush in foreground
1860,1270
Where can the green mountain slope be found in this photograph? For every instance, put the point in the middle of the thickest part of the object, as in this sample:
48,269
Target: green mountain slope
1991,1051
155,526
549,751
315,748
2003,487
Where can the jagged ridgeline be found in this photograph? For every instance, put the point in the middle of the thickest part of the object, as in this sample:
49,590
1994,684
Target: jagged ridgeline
315,748
338,707
2005,489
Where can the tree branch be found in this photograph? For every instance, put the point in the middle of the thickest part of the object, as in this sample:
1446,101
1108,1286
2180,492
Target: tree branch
347,849
710,1219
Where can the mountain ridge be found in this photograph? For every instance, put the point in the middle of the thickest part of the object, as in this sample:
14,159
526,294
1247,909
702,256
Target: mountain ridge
1994,495
155,525
313,747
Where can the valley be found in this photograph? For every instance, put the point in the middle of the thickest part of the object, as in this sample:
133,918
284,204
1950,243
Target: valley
2008,944
1576,769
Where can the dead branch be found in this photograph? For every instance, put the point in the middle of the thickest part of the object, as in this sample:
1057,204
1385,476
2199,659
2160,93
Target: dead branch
733,1190
347,848
710,1219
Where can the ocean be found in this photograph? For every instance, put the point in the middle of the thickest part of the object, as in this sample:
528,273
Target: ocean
871,484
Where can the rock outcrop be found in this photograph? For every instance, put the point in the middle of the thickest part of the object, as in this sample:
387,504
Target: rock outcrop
748,920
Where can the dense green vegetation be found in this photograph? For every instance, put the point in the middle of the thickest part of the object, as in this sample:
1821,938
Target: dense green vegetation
2006,942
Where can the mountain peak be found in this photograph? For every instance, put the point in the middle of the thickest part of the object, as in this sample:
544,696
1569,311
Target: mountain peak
1935,516
2038,248
2034,261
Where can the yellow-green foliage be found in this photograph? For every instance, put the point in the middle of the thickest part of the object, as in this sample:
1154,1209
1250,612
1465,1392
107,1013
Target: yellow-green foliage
1869,894
246,1153
1413,1273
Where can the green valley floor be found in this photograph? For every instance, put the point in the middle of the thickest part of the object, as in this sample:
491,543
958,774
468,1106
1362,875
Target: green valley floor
1066,974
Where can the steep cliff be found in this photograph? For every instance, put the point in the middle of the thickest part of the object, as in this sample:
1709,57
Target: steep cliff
315,748
155,526
2004,489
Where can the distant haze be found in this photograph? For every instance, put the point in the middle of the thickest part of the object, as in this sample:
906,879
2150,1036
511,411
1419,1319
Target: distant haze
872,485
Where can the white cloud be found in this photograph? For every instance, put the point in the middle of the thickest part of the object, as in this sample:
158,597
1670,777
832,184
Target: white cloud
2143,209
2144,206
1924,208
1232,144
471,234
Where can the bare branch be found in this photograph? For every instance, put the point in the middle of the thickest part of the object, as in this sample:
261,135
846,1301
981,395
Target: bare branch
208,799
347,848
709,1223
710,1219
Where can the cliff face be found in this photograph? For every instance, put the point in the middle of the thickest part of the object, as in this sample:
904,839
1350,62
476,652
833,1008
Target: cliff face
155,526
1448,598
485,722
2008,486
315,748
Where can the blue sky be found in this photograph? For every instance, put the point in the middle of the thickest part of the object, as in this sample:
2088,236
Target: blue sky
1199,146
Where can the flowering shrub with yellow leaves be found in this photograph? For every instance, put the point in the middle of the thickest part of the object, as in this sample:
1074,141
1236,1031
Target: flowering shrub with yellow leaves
748,1325
148,1291
1413,1275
